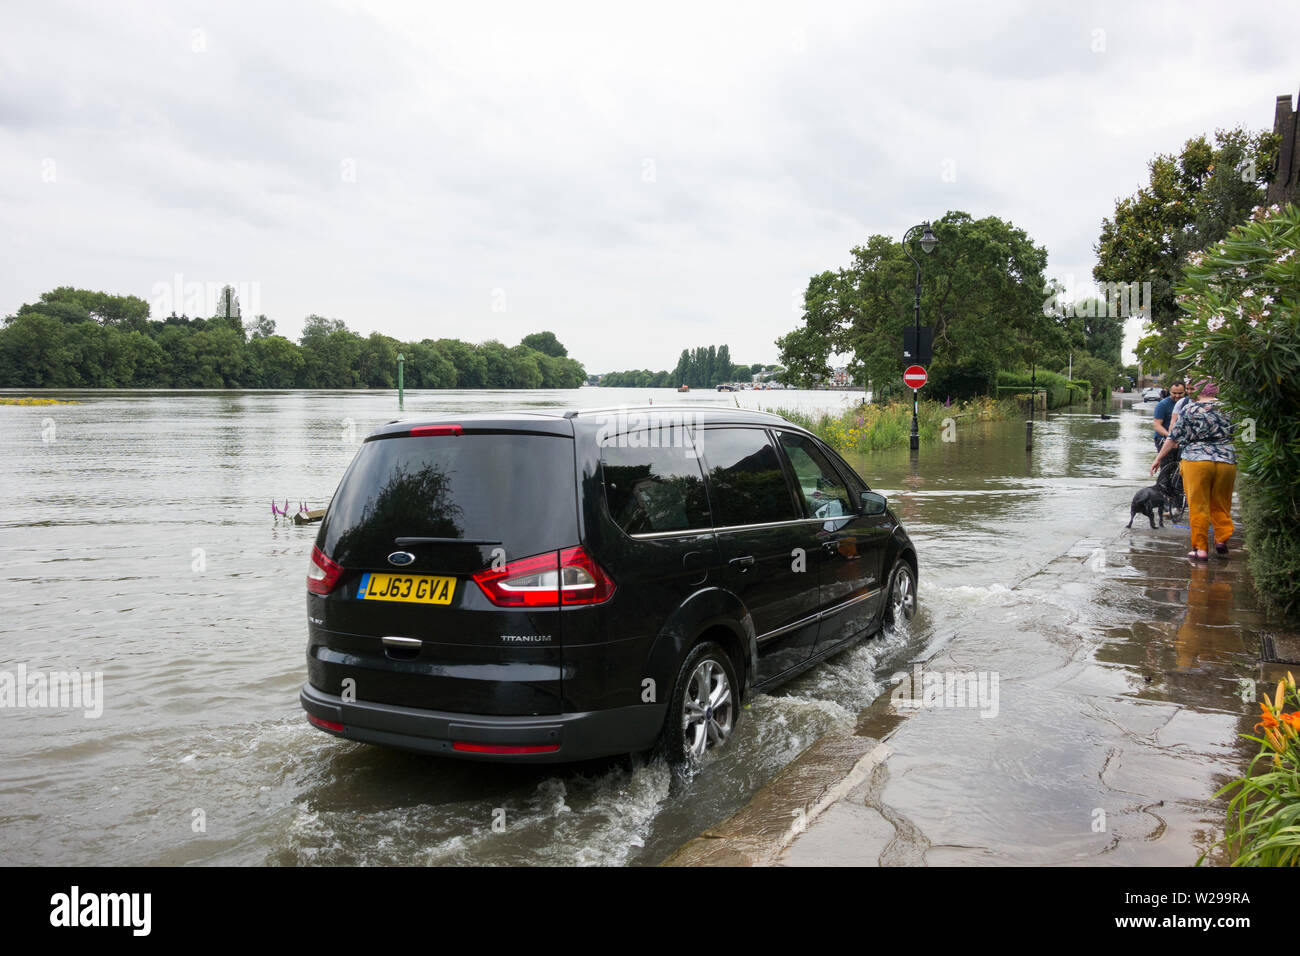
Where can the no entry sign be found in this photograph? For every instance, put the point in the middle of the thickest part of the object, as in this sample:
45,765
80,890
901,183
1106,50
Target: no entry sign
914,377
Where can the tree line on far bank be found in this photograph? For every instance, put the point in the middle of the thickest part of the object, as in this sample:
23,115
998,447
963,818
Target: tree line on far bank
698,368
75,338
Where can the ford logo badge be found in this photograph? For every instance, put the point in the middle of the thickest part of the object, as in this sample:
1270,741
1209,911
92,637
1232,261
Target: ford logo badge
401,558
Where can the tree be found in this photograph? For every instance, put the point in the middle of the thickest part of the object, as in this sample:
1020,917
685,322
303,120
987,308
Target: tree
1191,200
218,358
34,352
82,305
546,343
377,361
274,362
428,367
75,337
1102,376
1242,329
317,326
982,293
261,328
228,303
468,362
524,370
329,358
1101,329
498,371
721,367
176,343
560,372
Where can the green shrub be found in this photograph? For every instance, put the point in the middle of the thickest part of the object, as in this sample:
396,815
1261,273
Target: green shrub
1098,376
1060,390
960,380
1242,298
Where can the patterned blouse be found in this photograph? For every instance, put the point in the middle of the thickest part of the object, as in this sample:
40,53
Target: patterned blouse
1203,433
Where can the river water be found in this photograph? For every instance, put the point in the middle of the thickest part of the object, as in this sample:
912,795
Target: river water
137,540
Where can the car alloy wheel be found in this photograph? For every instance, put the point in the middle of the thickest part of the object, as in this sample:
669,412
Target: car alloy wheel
707,708
902,594
705,705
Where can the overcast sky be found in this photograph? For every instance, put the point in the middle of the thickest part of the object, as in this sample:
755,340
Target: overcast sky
637,178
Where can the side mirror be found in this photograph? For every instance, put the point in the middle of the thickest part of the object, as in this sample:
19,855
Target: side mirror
873,504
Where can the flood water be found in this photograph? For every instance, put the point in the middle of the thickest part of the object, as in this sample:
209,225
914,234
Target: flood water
137,540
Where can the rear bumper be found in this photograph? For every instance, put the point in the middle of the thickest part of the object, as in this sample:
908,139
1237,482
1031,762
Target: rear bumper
579,736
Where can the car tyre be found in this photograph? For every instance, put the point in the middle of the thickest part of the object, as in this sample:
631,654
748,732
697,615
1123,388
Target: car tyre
705,705
900,606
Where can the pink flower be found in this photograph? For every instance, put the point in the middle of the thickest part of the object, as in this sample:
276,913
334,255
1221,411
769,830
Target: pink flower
1216,322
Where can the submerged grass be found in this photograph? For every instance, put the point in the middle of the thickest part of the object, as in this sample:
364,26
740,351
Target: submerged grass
866,428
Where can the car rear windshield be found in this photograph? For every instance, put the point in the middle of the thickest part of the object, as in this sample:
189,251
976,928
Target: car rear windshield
512,489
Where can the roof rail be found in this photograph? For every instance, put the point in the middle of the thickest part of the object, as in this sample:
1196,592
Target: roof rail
693,406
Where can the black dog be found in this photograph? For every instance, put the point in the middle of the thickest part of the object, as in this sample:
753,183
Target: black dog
1149,502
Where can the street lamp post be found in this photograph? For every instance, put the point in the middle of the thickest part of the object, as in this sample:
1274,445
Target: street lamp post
928,242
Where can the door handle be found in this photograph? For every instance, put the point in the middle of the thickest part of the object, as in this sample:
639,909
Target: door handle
742,564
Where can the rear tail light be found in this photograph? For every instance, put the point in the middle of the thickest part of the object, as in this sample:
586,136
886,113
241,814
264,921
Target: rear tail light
469,748
566,577
424,431
324,574
325,724
583,581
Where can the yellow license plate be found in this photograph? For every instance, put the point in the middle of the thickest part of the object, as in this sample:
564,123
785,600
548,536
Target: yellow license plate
419,588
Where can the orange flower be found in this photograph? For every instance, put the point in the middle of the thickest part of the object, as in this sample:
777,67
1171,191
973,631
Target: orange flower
1270,721
1292,720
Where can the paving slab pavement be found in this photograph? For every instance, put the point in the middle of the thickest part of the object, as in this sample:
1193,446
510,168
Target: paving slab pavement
1108,716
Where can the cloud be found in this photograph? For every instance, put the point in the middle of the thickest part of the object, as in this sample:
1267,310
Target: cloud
636,179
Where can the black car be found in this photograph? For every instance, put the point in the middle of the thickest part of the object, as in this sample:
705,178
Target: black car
542,587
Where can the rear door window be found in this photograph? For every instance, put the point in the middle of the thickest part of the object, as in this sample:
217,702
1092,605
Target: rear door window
651,489
747,484
516,491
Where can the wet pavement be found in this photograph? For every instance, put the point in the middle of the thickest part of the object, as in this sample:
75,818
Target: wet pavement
1094,729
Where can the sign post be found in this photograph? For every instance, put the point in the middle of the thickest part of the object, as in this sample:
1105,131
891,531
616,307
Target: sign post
914,377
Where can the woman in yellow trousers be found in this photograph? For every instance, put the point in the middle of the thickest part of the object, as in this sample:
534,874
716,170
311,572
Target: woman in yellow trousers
1208,467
